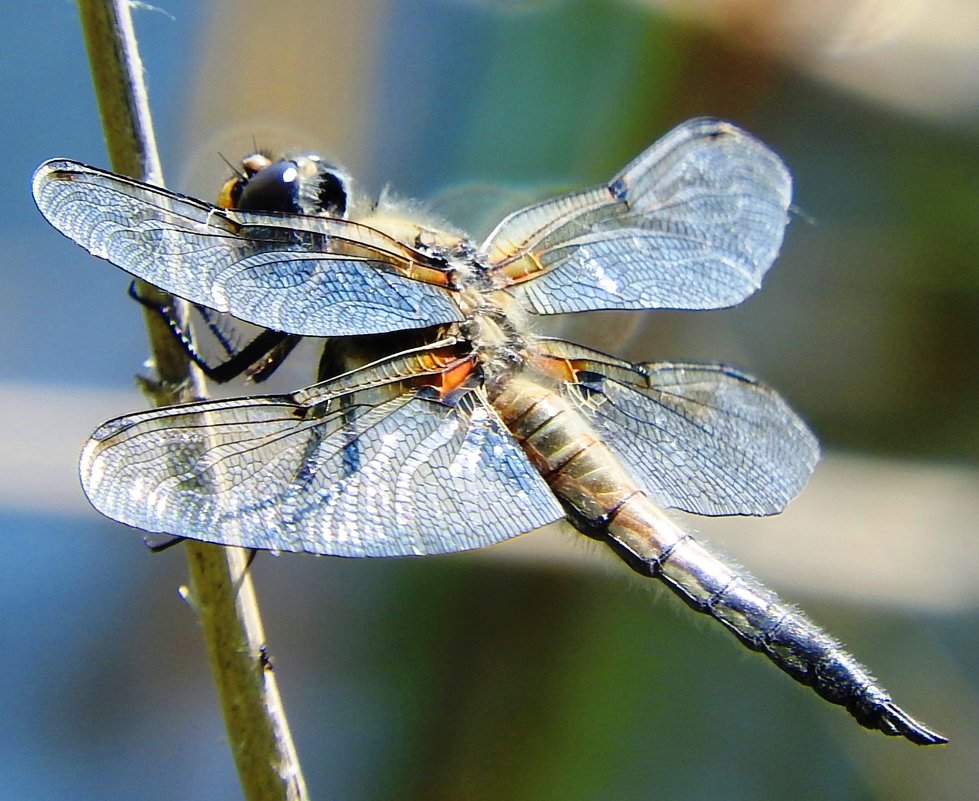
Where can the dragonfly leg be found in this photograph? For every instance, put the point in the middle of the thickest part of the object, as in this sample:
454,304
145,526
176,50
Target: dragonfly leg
258,359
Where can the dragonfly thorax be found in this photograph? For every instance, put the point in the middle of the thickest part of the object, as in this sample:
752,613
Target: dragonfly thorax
495,326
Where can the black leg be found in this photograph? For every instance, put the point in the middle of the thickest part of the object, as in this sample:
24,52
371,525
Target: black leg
258,359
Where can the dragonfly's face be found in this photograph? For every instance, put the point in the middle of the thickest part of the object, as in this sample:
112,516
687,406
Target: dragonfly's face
297,184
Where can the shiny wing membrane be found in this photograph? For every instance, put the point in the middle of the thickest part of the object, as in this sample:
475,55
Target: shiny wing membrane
371,463
704,438
693,223
312,276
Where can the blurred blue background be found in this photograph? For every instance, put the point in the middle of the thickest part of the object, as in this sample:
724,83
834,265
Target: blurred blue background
540,669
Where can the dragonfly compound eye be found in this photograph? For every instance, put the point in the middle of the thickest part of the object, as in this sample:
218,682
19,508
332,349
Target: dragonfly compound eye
275,188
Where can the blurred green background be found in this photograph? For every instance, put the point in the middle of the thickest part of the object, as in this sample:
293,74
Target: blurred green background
541,669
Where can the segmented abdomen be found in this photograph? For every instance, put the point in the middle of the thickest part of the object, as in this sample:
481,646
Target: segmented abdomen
604,500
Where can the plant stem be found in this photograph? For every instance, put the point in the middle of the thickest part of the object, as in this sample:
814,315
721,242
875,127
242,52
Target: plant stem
221,590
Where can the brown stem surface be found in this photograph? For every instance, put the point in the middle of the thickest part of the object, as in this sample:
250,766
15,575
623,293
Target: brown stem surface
221,590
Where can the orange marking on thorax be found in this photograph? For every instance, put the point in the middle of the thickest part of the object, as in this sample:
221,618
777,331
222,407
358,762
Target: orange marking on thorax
453,377
557,368
451,370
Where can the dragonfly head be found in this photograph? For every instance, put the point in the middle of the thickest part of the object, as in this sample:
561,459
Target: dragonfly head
297,184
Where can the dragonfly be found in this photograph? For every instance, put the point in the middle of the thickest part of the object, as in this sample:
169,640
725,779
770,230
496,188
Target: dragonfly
440,422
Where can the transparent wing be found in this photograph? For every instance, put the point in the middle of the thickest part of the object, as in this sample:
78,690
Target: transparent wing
703,438
693,223
366,465
304,275
223,346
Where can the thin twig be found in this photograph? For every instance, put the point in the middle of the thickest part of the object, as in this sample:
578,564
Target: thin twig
221,587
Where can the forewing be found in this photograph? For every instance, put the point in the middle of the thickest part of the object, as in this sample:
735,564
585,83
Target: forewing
370,472
693,223
304,275
704,438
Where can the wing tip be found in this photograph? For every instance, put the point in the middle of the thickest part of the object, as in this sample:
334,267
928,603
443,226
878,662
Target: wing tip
41,177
